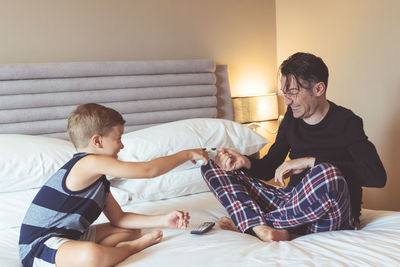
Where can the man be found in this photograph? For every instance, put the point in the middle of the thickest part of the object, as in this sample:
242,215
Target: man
330,160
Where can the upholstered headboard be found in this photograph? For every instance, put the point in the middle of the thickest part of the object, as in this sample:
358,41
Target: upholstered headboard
37,98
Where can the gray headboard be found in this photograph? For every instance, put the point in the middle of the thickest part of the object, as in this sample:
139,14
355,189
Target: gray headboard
36,98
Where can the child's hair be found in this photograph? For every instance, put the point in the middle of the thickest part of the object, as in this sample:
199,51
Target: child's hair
89,119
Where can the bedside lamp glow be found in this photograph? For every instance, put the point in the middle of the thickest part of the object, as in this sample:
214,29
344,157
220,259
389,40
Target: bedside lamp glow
252,81
255,108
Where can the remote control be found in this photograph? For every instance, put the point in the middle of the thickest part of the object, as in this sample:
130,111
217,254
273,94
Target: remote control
212,153
203,228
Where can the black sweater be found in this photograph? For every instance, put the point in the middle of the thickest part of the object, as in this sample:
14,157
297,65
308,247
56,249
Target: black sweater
338,139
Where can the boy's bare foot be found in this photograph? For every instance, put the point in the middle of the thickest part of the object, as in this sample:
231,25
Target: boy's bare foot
266,233
145,241
227,224
152,238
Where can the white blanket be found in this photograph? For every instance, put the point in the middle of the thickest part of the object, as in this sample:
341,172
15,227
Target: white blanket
377,244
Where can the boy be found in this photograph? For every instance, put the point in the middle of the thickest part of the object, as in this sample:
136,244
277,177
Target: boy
56,229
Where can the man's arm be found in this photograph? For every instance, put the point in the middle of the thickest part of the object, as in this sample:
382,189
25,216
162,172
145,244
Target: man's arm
264,168
365,165
291,167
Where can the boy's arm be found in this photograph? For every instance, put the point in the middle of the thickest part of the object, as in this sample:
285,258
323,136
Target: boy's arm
116,168
129,220
87,170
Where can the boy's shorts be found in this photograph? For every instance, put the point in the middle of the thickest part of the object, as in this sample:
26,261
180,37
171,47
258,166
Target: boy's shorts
54,243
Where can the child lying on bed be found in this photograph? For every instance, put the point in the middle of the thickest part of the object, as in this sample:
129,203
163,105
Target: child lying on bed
57,227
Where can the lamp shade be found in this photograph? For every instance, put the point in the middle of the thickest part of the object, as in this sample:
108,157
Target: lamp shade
255,108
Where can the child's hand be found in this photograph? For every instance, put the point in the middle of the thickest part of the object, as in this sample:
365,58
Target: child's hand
198,154
177,219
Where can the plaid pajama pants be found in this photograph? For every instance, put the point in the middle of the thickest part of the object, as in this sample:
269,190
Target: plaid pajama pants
320,202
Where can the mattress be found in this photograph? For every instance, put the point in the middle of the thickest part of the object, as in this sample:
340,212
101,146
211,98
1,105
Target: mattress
376,244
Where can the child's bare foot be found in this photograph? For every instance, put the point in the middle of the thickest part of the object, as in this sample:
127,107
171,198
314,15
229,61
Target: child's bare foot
227,224
266,233
152,238
145,241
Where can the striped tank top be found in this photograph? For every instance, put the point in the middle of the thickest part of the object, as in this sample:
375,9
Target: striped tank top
57,211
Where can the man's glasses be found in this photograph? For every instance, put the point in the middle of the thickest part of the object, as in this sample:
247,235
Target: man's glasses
291,93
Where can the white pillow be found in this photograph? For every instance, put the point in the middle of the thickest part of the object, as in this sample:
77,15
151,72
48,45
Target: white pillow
27,161
170,138
13,206
169,185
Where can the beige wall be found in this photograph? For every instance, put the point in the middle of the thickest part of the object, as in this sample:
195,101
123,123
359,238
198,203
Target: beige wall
360,41
239,33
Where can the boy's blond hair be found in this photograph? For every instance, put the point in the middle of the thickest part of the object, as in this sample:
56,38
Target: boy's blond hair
89,119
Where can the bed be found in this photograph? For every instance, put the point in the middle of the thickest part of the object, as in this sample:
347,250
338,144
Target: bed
169,106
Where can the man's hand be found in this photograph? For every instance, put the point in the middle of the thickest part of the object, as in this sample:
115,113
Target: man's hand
177,219
291,167
229,160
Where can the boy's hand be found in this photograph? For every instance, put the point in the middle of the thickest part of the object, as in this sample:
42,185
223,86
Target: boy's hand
177,219
198,154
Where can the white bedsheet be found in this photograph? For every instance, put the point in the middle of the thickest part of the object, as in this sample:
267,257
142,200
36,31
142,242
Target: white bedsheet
377,244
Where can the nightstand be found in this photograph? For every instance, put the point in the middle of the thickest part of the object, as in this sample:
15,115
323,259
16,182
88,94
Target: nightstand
259,113
267,129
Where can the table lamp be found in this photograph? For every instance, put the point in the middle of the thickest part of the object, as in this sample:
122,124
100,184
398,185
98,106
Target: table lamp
255,109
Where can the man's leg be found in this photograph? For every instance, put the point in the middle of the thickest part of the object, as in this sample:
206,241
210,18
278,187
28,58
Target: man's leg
320,202
243,197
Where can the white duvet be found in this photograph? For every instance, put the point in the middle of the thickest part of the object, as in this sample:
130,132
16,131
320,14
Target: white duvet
376,244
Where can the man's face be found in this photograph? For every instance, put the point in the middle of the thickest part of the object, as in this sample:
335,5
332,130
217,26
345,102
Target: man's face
302,101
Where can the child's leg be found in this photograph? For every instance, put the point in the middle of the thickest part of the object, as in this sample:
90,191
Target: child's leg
109,235
85,253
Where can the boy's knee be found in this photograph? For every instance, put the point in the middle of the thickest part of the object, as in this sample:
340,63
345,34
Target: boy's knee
91,255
